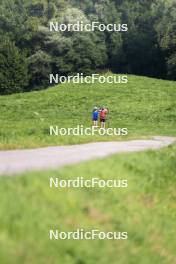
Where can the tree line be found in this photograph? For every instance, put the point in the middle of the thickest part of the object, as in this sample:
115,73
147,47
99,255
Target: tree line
29,51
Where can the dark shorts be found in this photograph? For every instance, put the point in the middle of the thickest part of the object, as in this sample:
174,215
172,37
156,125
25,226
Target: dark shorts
95,119
102,120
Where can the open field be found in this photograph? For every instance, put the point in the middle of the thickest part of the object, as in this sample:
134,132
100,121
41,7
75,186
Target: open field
145,106
146,210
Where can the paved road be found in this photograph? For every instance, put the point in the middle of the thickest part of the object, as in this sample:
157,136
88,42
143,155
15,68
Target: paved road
17,161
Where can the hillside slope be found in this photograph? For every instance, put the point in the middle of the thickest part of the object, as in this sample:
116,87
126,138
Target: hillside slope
145,106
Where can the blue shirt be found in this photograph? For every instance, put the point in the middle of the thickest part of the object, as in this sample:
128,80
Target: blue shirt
95,115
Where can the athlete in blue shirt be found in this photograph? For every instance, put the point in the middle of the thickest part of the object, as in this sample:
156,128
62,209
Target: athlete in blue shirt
95,114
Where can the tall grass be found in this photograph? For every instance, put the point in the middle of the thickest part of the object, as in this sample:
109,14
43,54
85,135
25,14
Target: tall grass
145,106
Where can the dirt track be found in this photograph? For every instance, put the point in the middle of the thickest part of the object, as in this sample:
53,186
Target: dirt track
17,161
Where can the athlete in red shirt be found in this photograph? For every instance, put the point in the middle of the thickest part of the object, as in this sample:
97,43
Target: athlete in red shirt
103,114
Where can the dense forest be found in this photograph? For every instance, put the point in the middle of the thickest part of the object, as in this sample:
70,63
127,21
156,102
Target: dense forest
29,51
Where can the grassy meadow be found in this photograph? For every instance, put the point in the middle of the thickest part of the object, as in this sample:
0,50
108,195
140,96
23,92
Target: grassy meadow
145,106
146,210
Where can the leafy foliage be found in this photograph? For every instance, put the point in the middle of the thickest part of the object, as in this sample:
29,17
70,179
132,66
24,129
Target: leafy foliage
13,68
148,48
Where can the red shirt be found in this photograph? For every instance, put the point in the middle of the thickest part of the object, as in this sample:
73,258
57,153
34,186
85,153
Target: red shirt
103,113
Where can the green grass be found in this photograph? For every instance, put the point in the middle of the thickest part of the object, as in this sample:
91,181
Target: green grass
146,210
145,106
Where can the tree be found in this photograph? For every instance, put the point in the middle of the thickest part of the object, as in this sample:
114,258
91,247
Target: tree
13,68
166,33
74,52
141,50
39,69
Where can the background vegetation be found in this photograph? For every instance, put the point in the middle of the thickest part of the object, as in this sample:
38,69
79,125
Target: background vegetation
29,52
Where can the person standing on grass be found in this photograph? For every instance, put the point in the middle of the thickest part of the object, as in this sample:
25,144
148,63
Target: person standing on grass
103,115
95,115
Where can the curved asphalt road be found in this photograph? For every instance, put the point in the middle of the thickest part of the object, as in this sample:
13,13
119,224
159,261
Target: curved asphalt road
17,161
